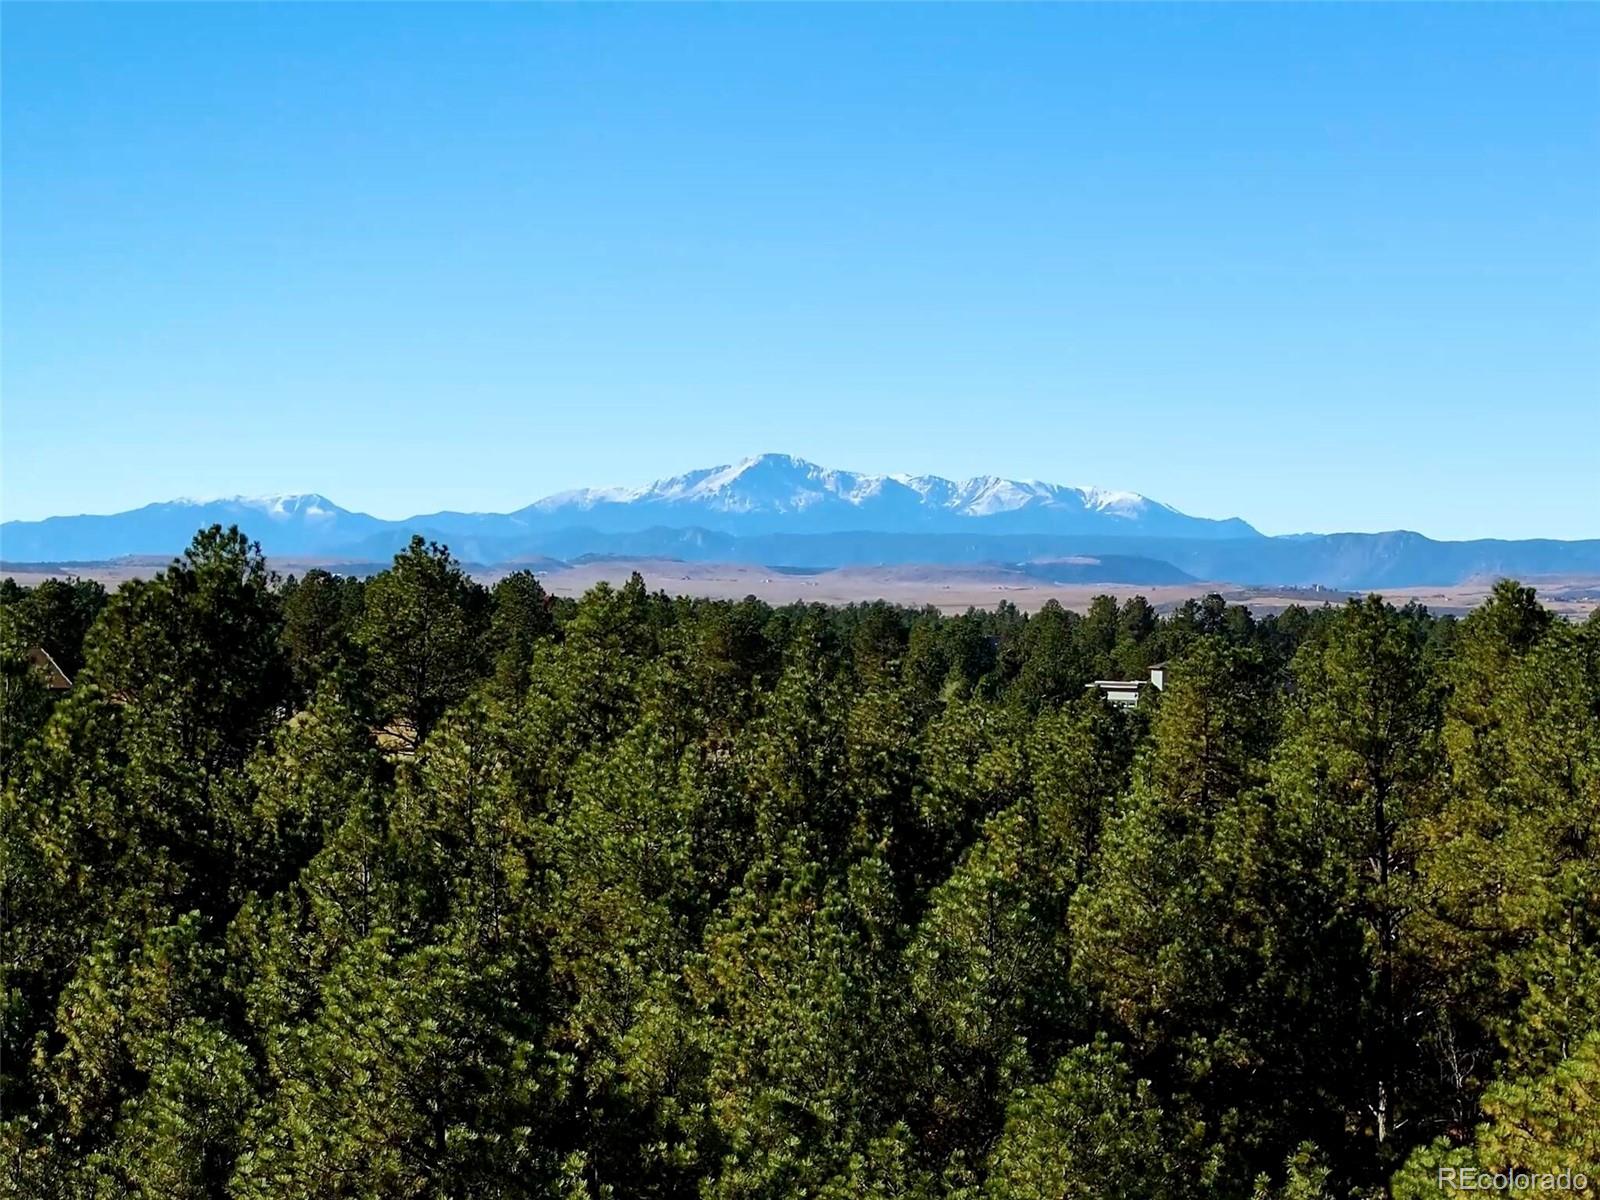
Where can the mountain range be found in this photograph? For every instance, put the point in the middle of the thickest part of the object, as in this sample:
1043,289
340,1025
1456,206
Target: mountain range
777,509
777,493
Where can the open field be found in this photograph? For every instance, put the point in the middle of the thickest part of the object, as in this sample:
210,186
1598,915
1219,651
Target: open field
955,589
948,588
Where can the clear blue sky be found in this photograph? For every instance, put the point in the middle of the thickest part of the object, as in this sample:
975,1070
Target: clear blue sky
1323,267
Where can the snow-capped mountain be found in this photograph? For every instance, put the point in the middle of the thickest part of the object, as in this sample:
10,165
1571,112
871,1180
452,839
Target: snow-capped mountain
306,506
780,510
289,524
768,494
774,483
779,493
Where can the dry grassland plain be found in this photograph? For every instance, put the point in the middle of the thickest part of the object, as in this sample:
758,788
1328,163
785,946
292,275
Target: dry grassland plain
950,589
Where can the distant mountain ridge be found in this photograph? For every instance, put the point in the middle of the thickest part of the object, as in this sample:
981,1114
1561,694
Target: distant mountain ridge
771,493
778,493
776,509
297,524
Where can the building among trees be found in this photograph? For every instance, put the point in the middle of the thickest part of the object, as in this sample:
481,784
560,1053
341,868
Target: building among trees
1124,693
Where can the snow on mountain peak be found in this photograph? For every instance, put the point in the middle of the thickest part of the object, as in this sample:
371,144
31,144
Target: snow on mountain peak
766,495
775,484
291,505
796,493
285,506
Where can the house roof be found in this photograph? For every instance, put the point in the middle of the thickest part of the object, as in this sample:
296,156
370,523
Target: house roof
54,677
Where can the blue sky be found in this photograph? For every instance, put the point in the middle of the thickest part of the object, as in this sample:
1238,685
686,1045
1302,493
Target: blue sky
1322,267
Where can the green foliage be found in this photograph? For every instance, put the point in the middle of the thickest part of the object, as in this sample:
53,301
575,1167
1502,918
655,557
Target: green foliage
1092,1130
420,1074
56,616
193,659
320,612
406,887
421,633
522,616
24,702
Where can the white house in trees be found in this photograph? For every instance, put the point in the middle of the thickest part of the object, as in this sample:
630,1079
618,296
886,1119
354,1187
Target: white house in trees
1124,693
